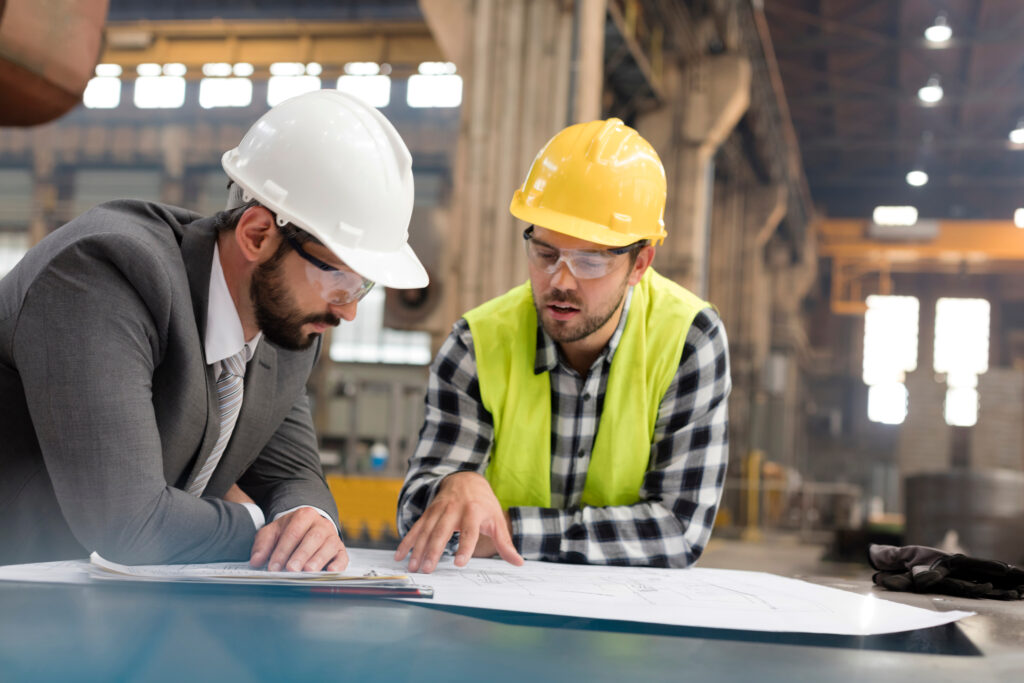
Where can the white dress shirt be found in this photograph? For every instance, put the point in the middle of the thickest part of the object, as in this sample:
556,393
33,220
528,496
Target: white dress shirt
225,338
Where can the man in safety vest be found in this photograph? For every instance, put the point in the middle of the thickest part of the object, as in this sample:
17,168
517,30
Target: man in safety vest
582,416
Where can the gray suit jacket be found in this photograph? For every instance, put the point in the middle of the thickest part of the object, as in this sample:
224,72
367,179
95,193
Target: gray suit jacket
107,407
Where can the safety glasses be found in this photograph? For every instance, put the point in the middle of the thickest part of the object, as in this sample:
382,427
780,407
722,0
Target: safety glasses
584,264
336,286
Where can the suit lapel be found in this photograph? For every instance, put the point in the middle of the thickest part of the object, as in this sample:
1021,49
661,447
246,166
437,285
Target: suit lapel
197,253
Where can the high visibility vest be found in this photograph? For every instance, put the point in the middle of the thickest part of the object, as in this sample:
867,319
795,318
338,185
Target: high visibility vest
505,344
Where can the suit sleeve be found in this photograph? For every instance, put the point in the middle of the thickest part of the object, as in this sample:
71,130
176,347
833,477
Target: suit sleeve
287,474
86,345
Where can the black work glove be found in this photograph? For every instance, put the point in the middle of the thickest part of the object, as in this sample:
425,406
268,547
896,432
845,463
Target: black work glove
921,569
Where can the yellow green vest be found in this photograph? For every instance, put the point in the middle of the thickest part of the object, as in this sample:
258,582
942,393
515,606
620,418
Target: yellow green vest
505,344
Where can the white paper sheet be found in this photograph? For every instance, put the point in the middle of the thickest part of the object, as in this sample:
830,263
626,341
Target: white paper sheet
708,598
67,571
99,569
236,572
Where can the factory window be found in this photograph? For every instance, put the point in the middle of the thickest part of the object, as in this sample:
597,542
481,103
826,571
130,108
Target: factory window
431,186
369,81
104,90
93,186
436,85
13,246
890,351
961,353
288,79
211,192
219,88
366,340
16,190
160,87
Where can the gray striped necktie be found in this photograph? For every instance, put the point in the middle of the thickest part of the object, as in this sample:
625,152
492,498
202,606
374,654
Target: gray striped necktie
229,401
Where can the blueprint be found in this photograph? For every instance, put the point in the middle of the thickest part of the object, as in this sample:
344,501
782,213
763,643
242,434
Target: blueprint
707,598
704,598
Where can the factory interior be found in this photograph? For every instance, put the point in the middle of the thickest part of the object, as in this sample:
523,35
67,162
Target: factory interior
845,186
857,239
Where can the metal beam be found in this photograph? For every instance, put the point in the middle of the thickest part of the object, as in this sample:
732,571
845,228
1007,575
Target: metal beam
861,265
854,40
850,144
956,241
882,180
823,75
842,44
332,44
628,35
830,26
968,97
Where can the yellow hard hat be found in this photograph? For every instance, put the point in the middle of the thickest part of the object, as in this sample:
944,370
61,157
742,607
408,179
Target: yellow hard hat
598,181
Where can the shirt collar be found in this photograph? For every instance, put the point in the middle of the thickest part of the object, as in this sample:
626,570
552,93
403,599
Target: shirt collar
224,335
547,350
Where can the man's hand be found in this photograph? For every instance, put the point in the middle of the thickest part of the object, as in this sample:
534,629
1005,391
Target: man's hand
237,495
464,503
302,540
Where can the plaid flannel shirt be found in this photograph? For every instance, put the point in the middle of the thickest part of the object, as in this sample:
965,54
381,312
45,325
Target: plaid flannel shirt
678,500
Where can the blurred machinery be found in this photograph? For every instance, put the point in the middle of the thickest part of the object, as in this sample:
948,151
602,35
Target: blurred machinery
979,512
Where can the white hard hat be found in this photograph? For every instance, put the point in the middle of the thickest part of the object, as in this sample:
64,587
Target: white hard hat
335,167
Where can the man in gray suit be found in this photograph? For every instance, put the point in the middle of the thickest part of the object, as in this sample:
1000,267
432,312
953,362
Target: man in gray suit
153,362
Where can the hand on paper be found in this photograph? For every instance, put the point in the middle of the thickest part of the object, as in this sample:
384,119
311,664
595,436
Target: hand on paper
237,495
464,503
302,540
485,546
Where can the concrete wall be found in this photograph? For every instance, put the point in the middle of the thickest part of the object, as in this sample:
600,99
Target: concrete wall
925,439
998,438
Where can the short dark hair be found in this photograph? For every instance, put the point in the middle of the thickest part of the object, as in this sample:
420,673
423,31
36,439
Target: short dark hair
634,251
228,220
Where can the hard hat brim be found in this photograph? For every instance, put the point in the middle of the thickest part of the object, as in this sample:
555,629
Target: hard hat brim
398,269
575,226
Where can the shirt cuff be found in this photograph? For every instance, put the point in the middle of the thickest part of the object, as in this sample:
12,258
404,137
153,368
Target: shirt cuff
299,507
258,519
537,533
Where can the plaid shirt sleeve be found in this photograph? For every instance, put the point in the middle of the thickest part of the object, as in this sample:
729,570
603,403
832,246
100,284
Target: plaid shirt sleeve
457,430
679,497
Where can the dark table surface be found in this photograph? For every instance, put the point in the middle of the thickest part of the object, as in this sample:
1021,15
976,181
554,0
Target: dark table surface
158,632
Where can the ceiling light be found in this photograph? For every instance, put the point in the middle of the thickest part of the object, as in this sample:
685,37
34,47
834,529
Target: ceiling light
939,32
1018,218
894,215
917,178
931,92
149,69
114,70
214,69
1017,134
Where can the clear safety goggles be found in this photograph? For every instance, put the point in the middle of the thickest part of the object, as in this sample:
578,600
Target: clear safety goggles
337,286
584,264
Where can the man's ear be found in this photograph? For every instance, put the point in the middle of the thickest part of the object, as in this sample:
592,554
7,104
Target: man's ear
642,263
256,234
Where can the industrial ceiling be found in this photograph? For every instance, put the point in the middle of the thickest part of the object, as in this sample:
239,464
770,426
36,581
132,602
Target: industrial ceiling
852,71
